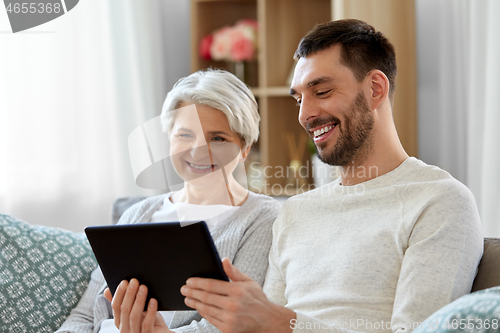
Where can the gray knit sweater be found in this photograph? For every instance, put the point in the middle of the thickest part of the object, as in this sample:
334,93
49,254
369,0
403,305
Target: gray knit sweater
245,241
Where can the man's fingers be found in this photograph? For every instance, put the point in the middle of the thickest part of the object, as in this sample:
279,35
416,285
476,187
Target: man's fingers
220,324
116,303
213,320
205,309
219,317
214,286
232,272
203,296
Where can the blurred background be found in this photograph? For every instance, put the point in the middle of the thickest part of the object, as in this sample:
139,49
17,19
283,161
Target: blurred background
73,89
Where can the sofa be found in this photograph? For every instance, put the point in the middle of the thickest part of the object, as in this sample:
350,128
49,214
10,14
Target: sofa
44,271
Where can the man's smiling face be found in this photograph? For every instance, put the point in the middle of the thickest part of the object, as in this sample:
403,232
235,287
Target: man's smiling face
333,108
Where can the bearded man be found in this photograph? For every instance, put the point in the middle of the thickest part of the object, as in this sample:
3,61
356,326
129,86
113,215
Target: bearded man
379,249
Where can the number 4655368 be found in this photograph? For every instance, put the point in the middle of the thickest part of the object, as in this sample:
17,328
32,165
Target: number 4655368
33,7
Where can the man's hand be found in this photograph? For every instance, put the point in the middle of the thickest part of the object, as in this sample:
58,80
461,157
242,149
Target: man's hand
128,309
236,306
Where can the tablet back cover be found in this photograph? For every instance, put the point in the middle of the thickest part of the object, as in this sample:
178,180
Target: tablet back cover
161,256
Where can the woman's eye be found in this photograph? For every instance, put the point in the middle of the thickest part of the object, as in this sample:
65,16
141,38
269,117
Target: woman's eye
218,139
185,136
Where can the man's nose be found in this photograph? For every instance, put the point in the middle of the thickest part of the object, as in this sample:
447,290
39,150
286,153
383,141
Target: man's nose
307,112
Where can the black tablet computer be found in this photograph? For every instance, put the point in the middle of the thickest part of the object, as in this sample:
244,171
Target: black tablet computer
161,255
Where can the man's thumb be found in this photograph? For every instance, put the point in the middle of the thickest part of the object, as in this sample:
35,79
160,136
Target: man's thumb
232,272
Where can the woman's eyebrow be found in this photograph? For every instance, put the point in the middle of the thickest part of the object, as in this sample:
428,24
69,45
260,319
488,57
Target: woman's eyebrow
217,132
183,129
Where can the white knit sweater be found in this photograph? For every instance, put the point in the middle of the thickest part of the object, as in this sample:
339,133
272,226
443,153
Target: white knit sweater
375,256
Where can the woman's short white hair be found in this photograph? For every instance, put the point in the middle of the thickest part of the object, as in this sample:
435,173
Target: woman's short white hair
220,90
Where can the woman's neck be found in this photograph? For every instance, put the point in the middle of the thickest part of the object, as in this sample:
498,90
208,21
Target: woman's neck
230,194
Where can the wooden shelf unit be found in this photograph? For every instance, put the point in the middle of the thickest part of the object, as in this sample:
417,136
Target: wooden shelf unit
282,23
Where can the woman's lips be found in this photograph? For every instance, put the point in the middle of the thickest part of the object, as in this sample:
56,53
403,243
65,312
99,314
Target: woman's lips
200,168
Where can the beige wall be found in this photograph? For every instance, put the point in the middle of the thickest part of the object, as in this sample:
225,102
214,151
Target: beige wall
396,19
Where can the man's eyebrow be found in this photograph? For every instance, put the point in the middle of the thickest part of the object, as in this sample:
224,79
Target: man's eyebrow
315,82
320,80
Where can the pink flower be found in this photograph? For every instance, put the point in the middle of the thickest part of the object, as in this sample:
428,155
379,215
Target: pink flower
221,47
205,44
236,43
241,38
242,49
248,22
242,31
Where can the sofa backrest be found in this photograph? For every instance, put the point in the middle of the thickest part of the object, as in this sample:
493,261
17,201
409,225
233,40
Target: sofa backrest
488,272
120,205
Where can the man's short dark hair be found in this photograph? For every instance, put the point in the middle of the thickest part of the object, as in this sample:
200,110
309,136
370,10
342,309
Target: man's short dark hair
363,48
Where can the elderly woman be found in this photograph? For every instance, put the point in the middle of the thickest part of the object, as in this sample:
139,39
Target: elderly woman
212,121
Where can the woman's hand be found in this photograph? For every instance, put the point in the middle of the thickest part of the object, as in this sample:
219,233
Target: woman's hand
128,309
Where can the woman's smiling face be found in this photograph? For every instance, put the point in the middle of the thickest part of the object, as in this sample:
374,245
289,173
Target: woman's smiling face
201,143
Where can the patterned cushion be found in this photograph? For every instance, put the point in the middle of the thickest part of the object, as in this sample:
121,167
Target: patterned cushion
43,273
476,312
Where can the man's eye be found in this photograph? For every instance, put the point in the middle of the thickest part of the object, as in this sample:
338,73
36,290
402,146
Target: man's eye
323,92
218,139
185,136
298,102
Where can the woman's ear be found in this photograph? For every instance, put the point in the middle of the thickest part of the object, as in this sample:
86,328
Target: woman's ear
378,88
245,151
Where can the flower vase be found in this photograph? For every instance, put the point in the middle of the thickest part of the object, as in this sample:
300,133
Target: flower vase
239,69
293,173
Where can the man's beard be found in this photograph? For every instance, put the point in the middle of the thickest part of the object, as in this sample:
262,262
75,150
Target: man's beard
355,135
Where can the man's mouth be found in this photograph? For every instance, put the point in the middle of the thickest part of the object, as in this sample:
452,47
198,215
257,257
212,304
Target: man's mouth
322,133
323,130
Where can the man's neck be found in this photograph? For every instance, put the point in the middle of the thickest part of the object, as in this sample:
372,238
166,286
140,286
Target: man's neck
373,166
382,154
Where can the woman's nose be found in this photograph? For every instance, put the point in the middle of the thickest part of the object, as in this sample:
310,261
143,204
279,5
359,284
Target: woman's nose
199,152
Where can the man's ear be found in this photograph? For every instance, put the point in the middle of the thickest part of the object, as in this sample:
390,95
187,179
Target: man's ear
377,88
